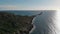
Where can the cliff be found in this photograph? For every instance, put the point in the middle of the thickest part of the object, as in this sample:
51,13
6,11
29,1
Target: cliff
15,24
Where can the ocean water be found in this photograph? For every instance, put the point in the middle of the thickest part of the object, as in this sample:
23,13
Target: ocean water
46,23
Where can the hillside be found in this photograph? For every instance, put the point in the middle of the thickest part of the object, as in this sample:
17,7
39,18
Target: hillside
15,24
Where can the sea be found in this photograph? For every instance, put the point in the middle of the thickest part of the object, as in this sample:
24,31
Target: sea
46,23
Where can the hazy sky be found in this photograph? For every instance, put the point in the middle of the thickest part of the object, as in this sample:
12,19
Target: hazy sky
29,4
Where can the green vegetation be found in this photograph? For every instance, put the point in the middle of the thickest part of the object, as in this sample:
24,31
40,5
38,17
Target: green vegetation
14,24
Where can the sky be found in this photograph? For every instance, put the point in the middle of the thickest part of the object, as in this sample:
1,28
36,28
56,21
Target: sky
29,4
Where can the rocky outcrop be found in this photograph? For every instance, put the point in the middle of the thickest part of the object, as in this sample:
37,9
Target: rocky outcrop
15,24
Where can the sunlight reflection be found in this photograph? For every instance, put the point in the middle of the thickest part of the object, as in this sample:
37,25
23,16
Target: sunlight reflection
58,19
57,15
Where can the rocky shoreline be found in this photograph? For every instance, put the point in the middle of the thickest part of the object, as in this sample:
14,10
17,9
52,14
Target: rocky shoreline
16,24
33,26
32,29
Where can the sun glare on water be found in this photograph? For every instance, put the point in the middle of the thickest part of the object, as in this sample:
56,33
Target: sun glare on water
58,18
57,15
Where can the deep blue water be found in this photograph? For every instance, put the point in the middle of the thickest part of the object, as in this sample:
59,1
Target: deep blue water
26,12
45,23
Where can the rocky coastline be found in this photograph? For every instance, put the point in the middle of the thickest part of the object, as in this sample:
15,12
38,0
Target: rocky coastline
15,24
